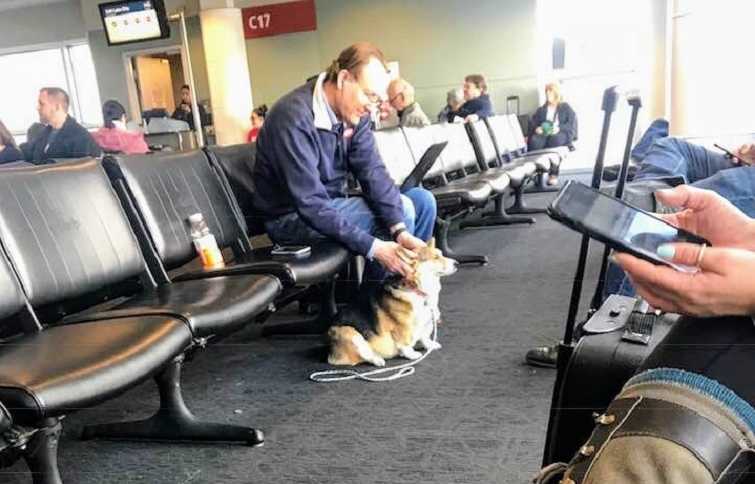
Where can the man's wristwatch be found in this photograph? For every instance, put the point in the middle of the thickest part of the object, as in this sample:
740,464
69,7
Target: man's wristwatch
398,232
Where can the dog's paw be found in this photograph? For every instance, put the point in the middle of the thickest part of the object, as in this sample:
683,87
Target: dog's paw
432,345
410,353
378,361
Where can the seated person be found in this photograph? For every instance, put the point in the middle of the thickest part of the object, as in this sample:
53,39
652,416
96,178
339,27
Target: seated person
9,151
184,111
454,100
688,413
477,102
62,136
553,124
314,137
114,137
401,97
257,119
701,168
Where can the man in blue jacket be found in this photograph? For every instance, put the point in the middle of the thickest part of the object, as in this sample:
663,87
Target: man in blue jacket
312,138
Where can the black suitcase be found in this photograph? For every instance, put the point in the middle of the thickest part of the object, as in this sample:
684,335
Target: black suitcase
612,344
600,365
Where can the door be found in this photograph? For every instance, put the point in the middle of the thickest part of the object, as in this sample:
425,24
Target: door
155,83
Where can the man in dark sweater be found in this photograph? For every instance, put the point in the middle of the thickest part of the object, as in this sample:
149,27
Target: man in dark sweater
312,138
62,136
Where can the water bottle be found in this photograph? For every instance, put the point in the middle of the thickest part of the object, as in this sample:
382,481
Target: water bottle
205,243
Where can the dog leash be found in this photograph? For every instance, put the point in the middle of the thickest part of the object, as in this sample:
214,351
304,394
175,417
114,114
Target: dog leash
401,371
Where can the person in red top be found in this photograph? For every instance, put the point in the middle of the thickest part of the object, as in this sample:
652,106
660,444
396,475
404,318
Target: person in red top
258,118
114,137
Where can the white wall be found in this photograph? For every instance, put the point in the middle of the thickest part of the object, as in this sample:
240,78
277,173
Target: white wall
55,22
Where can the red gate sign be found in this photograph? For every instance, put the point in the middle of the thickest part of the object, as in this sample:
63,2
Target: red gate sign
279,18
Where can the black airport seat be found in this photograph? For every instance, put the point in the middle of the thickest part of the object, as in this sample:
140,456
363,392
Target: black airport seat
394,150
71,245
457,193
45,374
447,179
492,159
165,189
511,141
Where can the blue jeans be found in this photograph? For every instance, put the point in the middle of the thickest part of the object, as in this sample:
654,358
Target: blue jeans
701,168
419,216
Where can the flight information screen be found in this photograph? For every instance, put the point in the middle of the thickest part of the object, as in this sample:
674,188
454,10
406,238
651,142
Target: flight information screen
134,21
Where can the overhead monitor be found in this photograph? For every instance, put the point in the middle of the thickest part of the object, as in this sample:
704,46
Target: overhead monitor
129,21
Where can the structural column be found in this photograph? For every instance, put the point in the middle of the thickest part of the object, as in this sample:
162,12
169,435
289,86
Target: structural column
227,70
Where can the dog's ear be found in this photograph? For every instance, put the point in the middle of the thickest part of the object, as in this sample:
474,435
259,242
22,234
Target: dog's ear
411,278
431,244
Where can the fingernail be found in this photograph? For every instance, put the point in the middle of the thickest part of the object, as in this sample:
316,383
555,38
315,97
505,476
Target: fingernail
666,251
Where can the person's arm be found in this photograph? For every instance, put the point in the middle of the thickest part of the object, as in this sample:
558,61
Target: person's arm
567,121
140,144
421,120
378,187
536,120
27,150
82,144
294,150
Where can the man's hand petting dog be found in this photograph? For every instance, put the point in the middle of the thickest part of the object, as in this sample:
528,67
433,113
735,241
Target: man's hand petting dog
408,241
395,257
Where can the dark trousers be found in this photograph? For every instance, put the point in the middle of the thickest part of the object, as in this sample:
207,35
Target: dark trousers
722,349
541,141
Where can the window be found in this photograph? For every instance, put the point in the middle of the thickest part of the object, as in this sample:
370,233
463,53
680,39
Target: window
69,66
605,44
712,69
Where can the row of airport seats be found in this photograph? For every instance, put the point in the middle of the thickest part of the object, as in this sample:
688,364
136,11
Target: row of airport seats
483,161
100,289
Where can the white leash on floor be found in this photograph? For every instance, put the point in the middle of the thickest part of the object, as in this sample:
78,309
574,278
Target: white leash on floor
402,370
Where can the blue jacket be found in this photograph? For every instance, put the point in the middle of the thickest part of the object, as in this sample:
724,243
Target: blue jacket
301,166
481,106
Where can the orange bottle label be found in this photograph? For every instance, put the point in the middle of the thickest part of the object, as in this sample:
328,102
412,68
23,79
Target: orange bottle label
212,258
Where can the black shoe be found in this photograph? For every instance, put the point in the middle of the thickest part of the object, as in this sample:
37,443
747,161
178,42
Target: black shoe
544,356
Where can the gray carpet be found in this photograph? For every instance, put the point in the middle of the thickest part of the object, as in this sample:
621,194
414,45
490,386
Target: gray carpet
473,412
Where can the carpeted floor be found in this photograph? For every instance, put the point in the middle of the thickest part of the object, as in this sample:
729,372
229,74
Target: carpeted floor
473,412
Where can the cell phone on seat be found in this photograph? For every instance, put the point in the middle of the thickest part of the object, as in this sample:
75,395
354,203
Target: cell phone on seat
616,223
291,251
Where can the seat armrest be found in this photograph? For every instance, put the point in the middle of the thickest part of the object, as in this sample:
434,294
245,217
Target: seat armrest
280,270
6,421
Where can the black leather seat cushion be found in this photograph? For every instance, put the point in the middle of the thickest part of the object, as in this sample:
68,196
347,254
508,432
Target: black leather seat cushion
519,171
497,178
65,368
466,192
326,259
216,305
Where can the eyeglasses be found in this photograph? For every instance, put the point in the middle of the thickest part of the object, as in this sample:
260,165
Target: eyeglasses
373,98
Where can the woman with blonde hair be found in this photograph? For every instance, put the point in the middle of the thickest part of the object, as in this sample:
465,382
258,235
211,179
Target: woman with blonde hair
553,124
8,149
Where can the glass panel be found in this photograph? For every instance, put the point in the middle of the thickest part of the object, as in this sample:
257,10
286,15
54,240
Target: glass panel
31,71
86,85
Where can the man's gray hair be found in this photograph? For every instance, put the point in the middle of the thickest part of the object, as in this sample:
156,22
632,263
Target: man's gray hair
455,96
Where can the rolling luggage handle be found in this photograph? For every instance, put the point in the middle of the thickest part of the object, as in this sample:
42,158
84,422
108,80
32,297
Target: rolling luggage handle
566,346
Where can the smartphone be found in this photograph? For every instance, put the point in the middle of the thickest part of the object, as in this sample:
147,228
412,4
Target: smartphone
291,250
731,155
616,223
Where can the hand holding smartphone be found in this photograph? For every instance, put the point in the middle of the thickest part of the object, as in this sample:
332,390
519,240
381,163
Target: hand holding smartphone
730,154
616,223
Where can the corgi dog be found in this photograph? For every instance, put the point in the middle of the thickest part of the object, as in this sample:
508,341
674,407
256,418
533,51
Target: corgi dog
401,315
